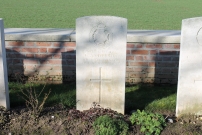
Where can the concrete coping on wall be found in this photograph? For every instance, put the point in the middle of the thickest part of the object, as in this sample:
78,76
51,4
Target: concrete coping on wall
55,34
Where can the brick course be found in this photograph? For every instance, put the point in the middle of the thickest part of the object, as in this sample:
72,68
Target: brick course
146,63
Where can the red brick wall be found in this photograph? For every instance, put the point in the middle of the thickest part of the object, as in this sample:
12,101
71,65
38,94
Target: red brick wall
56,61
152,63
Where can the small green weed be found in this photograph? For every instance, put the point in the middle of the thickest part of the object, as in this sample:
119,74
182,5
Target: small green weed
105,125
150,123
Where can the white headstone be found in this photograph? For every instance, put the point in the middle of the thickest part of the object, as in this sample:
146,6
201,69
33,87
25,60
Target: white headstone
4,93
189,93
101,62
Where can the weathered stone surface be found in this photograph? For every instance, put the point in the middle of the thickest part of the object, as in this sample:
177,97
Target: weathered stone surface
4,93
101,62
189,94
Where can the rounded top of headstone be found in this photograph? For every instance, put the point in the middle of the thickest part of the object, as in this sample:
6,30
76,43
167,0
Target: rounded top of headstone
101,16
199,36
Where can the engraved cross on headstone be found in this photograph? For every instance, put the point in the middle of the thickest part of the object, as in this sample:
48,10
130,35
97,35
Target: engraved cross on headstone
100,80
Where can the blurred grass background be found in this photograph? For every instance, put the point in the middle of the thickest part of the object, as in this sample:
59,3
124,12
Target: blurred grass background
141,14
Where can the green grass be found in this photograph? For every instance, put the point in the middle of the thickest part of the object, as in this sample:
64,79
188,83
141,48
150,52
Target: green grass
60,93
150,98
141,14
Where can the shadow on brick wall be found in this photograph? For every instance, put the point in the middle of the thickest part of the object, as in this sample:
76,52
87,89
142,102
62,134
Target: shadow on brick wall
166,67
56,65
15,66
68,66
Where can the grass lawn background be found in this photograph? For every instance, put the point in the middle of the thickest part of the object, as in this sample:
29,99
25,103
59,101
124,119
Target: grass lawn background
141,14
